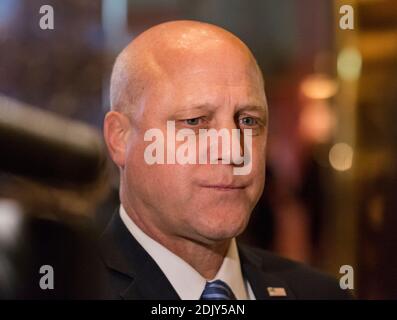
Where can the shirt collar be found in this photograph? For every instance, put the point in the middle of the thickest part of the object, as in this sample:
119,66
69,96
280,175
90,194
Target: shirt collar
187,282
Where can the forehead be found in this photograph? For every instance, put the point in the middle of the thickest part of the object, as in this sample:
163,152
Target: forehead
219,60
215,79
213,89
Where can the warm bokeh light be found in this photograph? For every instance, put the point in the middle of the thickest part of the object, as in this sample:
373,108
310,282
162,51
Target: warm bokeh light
341,156
319,86
316,121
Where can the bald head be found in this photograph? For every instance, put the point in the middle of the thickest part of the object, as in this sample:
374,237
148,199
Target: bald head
168,49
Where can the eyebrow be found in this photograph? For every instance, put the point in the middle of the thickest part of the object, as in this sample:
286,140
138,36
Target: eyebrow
259,108
210,107
201,107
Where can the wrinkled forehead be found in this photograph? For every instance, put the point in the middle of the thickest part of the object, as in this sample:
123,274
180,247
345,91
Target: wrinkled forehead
224,91
214,56
216,77
216,63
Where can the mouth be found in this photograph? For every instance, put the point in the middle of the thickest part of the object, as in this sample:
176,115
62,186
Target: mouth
223,187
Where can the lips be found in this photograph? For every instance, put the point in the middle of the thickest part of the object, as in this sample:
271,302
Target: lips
224,187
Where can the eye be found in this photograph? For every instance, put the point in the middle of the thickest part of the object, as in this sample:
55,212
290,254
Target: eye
248,121
192,121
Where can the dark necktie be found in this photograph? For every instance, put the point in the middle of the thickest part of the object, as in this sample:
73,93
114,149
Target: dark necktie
217,290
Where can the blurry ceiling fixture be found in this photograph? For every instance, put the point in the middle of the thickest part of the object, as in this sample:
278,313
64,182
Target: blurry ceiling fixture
319,86
349,64
341,156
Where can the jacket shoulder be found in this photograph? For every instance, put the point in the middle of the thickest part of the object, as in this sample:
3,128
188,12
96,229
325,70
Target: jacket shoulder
304,281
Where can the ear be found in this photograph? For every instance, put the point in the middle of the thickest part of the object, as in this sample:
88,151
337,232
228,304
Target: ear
116,129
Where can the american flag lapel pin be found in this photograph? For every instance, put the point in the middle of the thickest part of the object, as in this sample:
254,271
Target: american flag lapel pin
276,292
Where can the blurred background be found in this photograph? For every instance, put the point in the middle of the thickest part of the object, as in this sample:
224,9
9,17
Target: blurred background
330,196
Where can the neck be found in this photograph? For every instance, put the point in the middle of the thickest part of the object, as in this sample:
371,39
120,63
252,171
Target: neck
205,258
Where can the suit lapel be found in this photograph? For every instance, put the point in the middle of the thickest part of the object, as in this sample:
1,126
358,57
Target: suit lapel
262,283
142,278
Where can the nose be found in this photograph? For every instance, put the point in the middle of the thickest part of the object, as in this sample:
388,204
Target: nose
230,143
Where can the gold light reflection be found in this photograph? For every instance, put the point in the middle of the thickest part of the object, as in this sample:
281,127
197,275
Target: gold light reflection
341,156
319,86
349,64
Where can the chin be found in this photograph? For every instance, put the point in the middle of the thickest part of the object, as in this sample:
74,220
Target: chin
221,229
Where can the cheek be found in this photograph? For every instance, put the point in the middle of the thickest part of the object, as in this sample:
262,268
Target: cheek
161,184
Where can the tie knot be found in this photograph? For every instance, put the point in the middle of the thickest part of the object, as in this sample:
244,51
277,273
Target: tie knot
217,290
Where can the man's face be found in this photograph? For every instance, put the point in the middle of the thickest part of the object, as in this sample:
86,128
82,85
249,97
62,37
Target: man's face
202,202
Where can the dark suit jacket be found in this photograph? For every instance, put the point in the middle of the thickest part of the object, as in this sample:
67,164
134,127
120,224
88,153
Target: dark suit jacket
132,274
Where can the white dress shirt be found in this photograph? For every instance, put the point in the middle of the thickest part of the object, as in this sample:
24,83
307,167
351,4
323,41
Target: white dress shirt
187,282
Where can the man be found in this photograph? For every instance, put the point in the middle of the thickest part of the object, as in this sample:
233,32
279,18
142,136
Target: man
174,235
